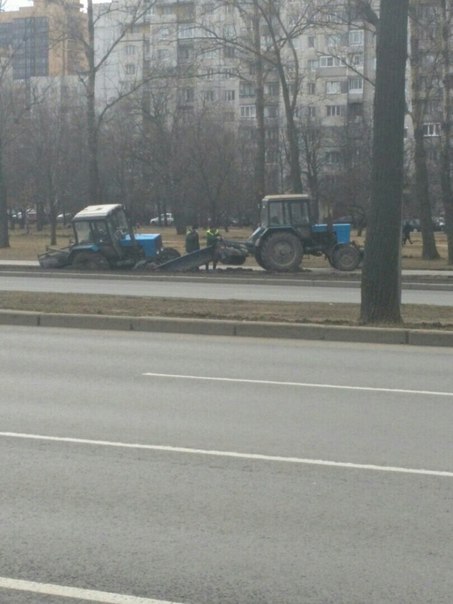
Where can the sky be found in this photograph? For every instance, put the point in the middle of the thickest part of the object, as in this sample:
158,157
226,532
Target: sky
15,4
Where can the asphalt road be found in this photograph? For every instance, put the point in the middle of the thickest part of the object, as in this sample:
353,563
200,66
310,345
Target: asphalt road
205,470
207,289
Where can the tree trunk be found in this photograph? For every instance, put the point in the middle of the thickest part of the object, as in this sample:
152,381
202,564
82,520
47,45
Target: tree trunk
422,195
446,179
260,160
381,276
4,235
93,170
429,251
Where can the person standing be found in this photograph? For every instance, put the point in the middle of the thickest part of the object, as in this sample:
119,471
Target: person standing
192,240
212,238
407,229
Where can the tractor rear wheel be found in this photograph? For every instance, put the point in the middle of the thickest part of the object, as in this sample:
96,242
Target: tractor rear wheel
90,261
281,252
346,257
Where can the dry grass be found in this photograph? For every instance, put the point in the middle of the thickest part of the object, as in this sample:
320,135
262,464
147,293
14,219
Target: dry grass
420,316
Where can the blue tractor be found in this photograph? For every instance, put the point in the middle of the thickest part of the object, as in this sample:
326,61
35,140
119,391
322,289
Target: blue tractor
286,233
104,239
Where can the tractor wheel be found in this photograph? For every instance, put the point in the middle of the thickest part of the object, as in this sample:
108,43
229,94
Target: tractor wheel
167,254
258,258
281,252
346,257
90,261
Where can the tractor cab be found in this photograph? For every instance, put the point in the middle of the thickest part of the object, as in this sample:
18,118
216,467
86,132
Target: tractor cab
285,211
104,238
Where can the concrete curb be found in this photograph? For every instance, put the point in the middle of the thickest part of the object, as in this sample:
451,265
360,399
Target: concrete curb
250,329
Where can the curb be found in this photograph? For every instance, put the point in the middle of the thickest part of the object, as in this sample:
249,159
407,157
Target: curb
249,329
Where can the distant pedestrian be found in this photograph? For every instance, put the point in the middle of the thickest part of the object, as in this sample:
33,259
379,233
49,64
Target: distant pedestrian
212,238
407,230
192,240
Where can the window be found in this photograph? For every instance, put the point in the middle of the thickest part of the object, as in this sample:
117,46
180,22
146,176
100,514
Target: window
328,61
130,49
271,111
228,74
229,52
248,111
356,37
356,59
311,41
209,96
163,54
333,40
187,31
299,214
333,158
355,84
333,87
272,89
334,110
311,88
431,129
185,53
188,95
130,69
229,95
246,90
312,64
311,111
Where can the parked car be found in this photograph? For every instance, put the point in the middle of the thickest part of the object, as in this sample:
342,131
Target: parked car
438,223
161,219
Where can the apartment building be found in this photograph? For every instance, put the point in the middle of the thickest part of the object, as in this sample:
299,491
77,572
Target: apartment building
44,40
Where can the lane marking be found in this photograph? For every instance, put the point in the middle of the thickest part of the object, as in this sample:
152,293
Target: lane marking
74,592
297,384
229,454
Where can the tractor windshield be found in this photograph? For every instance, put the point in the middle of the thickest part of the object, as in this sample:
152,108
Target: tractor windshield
82,232
119,225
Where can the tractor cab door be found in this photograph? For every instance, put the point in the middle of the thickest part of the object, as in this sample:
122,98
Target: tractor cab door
299,217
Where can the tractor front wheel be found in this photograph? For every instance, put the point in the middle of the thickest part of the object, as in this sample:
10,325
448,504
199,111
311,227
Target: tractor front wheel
90,261
346,257
281,252
167,254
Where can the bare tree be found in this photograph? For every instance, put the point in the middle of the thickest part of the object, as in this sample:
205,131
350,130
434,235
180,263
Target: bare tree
446,15
381,275
124,16
422,90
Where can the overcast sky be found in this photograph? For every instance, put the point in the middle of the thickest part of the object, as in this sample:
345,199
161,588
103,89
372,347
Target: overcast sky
15,4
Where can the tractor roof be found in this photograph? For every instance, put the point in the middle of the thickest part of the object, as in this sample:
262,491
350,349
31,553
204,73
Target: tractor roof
97,212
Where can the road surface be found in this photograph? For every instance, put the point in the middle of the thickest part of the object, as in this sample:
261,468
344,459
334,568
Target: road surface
207,470
207,289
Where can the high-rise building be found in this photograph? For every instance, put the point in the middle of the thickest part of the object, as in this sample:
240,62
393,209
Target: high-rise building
44,39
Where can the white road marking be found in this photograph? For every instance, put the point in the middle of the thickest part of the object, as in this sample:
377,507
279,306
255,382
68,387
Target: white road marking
229,454
298,384
74,592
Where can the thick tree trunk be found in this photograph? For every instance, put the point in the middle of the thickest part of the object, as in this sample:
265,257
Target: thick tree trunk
4,235
446,177
429,251
381,276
